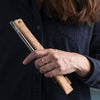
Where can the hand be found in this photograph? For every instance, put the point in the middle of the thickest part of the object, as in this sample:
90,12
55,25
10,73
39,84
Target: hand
52,62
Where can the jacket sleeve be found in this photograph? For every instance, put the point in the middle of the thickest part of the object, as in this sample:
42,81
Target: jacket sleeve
94,58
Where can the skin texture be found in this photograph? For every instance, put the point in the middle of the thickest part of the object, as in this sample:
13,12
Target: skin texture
53,62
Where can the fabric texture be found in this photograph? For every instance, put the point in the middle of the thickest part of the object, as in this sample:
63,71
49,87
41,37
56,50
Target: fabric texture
19,82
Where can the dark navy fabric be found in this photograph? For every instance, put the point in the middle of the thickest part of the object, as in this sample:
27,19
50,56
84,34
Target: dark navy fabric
19,82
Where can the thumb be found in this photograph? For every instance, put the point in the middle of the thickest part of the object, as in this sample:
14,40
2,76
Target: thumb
35,54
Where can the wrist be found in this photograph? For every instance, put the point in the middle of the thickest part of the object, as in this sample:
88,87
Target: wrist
84,67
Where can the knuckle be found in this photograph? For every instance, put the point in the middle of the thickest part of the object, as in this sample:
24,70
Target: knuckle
36,64
61,69
50,50
35,52
50,75
53,55
41,70
58,63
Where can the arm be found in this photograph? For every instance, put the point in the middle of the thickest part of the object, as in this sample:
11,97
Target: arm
53,62
94,58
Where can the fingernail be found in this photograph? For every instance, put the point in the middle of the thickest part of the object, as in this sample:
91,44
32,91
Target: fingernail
24,62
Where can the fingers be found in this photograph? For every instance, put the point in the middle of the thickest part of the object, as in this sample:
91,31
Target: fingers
52,73
48,67
51,62
42,61
35,54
